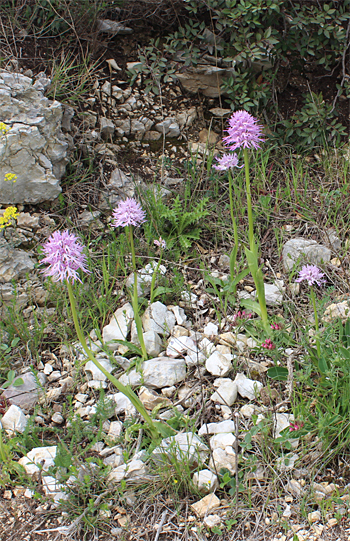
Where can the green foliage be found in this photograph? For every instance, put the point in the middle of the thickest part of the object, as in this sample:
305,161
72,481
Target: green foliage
11,375
254,41
9,467
153,68
6,353
177,224
314,125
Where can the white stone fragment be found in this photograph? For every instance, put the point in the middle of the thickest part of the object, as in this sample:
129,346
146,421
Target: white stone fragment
210,329
158,318
210,521
178,347
115,430
226,393
39,458
184,446
246,387
157,373
205,481
217,428
14,420
119,326
221,441
97,375
218,364
205,505
153,343
135,469
179,314
223,458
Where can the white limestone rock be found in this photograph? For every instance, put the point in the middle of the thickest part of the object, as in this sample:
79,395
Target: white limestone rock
122,404
223,458
35,148
178,347
246,387
218,364
226,393
158,318
97,375
14,420
217,428
119,326
222,440
135,469
210,329
153,343
304,249
205,481
184,446
204,506
157,373
39,458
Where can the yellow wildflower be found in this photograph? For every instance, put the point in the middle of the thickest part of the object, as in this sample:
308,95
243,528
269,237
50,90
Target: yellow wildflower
3,128
10,176
9,214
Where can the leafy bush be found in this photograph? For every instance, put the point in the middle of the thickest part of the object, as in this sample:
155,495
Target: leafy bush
256,40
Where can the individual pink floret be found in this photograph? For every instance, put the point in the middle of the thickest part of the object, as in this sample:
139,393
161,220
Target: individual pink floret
160,242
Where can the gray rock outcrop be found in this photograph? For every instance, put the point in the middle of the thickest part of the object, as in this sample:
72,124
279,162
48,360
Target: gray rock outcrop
34,147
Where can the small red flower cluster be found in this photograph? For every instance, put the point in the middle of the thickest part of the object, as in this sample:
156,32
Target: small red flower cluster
295,426
240,316
268,344
276,326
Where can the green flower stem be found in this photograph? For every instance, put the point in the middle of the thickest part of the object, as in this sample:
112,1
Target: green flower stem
253,247
154,275
253,261
126,390
134,298
313,299
235,229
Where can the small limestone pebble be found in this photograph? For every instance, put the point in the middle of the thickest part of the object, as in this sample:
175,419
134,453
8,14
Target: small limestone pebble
14,420
212,520
205,481
210,329
315,516
205,505
57,418
218,365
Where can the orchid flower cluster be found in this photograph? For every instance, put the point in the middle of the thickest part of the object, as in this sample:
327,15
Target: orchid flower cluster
65,257
312,275
244,132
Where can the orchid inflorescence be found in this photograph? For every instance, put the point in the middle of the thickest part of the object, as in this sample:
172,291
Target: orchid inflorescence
128,212
312,275
64,255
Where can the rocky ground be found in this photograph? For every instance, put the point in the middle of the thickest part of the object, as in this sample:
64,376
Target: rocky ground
206,376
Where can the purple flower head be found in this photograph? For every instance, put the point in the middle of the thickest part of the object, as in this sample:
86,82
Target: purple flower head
244,131
64,255
128,212
312,275
160,242
227,161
